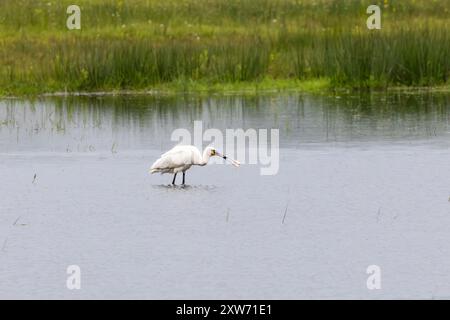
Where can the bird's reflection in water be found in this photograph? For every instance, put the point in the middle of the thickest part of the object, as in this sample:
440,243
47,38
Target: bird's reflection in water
170,187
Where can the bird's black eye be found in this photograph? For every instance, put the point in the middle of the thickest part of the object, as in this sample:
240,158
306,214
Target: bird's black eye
213,152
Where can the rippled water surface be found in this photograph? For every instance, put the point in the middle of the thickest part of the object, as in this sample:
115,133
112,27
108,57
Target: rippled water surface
362,180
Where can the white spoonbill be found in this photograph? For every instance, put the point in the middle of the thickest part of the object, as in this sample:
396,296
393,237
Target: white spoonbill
180,158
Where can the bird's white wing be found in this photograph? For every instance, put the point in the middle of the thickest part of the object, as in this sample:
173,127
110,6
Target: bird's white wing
176,157
170,160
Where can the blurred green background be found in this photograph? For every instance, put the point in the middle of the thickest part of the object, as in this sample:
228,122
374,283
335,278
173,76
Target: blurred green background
221,44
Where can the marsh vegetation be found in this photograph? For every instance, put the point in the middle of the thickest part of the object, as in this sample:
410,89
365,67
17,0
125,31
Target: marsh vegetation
221,45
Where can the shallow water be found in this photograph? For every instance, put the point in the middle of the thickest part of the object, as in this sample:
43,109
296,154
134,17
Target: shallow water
362,180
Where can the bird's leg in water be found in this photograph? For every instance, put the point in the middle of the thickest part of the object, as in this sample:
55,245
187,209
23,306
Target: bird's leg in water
174,177
184,173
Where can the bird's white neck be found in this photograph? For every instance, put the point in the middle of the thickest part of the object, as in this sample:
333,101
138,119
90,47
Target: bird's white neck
205,157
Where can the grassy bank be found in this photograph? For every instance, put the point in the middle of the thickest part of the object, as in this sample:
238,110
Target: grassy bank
221,45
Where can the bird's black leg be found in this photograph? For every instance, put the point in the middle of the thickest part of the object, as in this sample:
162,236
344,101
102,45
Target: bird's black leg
184,174
174,177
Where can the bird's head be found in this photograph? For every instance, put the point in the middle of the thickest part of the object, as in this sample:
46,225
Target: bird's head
213,152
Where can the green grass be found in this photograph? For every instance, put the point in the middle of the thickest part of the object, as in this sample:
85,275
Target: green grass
221,45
